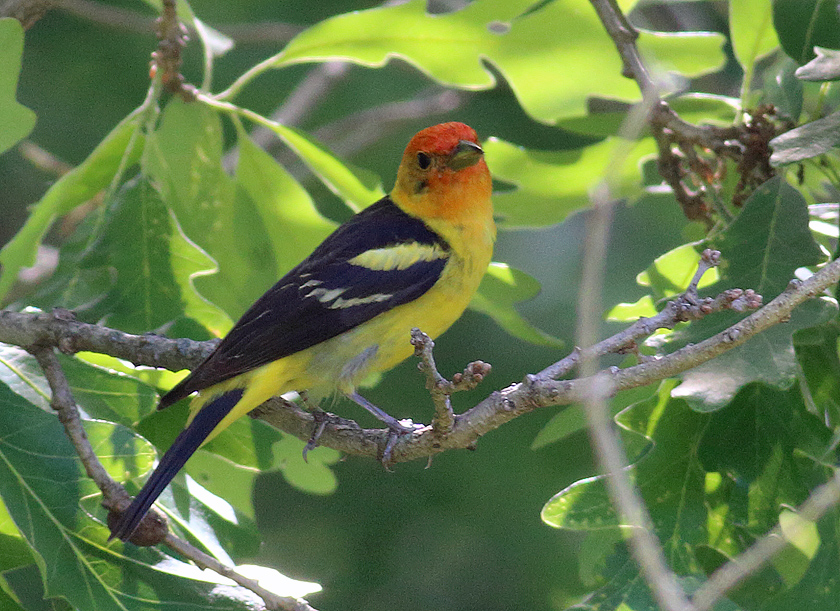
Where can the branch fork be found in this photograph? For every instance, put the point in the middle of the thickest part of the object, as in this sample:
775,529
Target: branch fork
439,387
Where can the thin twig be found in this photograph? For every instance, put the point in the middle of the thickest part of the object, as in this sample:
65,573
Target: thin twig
68,414
609,452
689,154
684,308
438,386
205,561
28,12
762,551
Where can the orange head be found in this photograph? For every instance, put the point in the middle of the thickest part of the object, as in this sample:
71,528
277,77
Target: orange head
443,177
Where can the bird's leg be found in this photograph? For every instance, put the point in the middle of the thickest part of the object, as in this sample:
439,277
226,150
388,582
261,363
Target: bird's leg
395,426
321,419
391,422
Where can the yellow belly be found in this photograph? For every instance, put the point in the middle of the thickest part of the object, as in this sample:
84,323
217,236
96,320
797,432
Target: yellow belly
340,363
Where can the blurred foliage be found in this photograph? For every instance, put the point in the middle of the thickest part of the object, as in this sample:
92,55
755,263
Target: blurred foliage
146,213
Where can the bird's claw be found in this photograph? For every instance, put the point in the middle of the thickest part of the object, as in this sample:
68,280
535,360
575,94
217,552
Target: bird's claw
396,429
321,419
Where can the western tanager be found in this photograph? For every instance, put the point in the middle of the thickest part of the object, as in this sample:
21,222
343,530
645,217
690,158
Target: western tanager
412,259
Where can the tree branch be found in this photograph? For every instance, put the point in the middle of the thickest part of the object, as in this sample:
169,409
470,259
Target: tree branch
205,561
534,392
68,414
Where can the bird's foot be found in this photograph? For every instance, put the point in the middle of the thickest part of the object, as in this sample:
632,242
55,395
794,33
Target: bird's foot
396,429
322,419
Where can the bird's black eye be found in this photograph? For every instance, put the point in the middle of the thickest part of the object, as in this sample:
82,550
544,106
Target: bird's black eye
423,160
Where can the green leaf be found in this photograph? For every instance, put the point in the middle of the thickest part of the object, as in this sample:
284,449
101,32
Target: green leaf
209,521
781,88
572,419
27,585
692,107
358,188
758,446
502,287
20,372
538,50
819,587
41,482
232,482
228,465
16,120
552,185
184,159
671,273
44,487
669,477
117,152
294,226
314,475
800,533
100,393
810,140
760,250
824,67
711,482
631,312
805,24
137,273
751,31
817,354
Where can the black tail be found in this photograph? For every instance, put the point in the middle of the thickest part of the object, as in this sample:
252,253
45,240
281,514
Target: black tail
187,442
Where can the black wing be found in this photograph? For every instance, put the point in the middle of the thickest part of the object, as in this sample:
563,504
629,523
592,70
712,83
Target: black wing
323,296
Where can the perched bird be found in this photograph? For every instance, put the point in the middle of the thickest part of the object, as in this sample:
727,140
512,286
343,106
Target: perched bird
412,259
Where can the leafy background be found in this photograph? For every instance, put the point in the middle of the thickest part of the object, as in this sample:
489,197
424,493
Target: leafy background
186,244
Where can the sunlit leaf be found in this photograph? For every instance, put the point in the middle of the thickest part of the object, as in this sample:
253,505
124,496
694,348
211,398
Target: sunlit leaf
801,533
293,224
120,149
672,272
751,30
355,186
629,312
16,120
546,53
500,289
819,587
552,185
99,393
228,465
184,159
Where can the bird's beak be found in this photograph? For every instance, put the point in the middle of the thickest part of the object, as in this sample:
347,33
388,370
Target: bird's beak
464,155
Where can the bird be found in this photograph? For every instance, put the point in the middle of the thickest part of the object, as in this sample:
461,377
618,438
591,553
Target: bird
412,259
